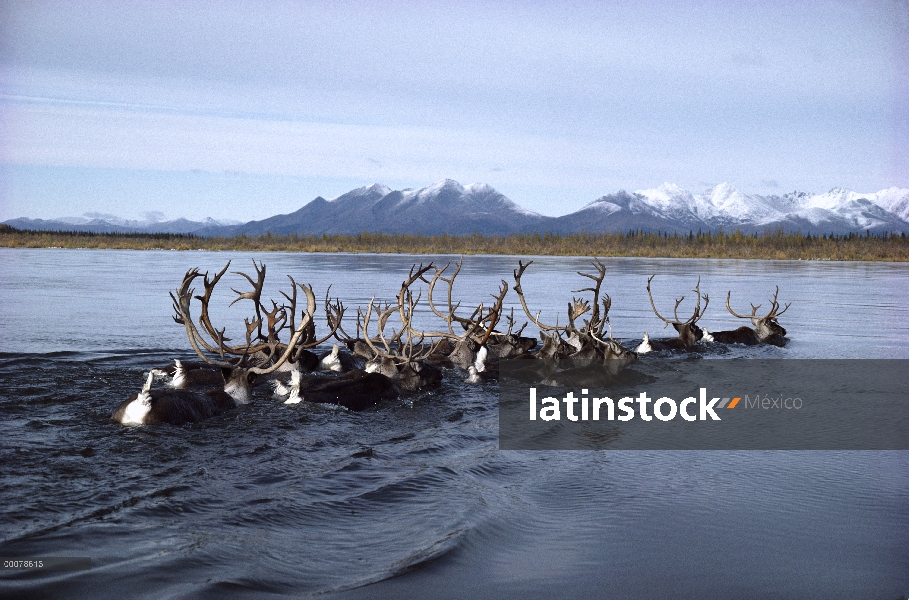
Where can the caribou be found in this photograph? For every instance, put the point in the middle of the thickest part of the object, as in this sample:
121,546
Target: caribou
263,352
689,332
766,329
280,338
184,374
477,329
402,362
586,339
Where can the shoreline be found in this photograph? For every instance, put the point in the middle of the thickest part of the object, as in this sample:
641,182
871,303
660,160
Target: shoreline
767,246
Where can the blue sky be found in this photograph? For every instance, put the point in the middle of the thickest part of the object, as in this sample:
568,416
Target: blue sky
242,110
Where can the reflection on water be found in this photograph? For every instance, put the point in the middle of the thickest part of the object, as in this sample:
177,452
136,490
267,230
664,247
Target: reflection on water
296,500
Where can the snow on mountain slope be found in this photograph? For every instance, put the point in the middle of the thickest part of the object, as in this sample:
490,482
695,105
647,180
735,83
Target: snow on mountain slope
442,207
371,193
894,200
446,206
473,198
839,210
673,202
734,206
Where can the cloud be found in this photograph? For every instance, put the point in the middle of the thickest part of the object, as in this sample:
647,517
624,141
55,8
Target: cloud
96,137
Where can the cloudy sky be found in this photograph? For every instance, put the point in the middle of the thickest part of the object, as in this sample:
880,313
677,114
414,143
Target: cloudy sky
242,110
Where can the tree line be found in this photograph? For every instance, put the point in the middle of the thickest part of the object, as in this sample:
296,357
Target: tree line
776,244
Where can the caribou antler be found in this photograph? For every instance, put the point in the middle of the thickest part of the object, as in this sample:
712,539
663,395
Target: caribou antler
577,307
735,314
596,323
276,320
396,350
256,294
494,314
774,308
696,315
478,323
520,291
449,317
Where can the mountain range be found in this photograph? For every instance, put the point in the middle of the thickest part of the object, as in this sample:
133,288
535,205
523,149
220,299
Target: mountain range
106,223
447,207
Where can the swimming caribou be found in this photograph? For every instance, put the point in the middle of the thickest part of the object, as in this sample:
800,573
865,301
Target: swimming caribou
689,331
586,338
241,364
380,366
766,329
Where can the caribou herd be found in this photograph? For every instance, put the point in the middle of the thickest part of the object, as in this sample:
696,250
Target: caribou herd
382,354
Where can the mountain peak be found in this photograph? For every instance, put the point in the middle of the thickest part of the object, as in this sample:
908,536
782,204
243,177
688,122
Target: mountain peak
372,192
725,194
443,184
445,188
724,189
441,207
479,188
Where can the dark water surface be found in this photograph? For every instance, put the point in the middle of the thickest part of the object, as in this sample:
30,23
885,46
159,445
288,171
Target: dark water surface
414,499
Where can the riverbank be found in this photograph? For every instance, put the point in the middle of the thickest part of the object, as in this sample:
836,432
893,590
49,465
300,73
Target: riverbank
774,246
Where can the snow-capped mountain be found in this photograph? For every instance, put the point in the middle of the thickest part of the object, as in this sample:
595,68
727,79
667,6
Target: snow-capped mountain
449,207
671,208
443,207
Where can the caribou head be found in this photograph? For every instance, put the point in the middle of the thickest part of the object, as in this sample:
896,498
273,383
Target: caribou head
400,355
689,332
766,329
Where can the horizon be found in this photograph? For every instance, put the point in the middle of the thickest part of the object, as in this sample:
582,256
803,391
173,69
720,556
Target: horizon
244,111
155,216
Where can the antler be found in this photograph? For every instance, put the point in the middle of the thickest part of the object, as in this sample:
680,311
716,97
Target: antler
533,319
735,314
579,306
774,306
510,319
596,323
256,294
402,352
698,313
449,317
277,319
495,313
471,324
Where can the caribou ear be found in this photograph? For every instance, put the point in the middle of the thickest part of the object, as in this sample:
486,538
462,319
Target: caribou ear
417,367
251,378
226,373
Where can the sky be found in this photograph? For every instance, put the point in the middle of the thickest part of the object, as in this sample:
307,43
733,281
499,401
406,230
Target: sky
243,110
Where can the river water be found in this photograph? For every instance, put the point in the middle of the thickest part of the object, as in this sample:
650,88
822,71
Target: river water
414,499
